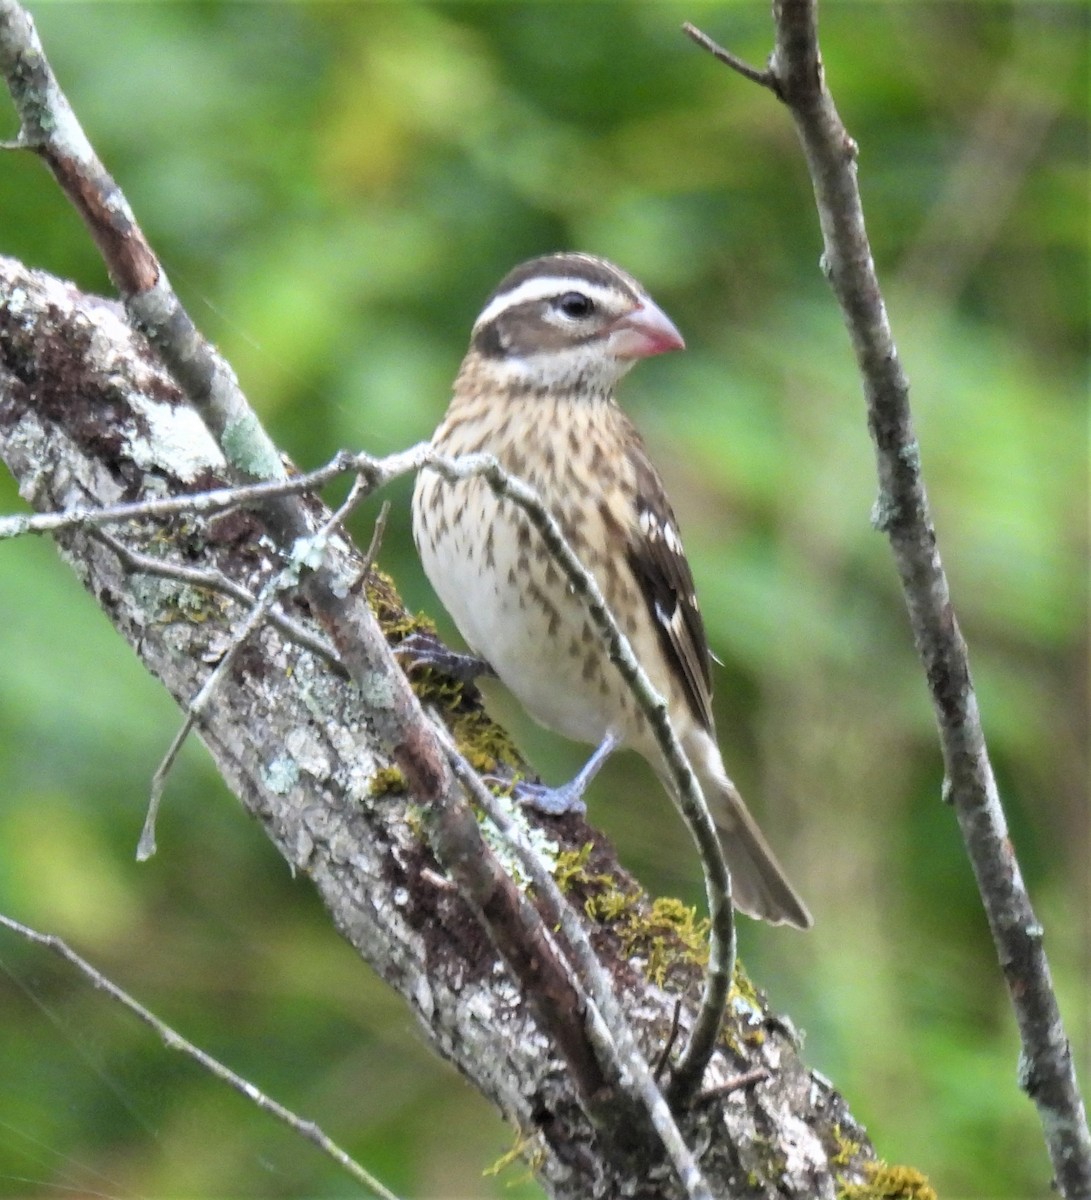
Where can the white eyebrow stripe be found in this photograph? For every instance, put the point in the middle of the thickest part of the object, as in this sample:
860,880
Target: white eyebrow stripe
539,289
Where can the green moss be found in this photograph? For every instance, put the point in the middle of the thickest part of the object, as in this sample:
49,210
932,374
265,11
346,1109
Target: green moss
885,1182
773,1162
388,781
742,988
671,916
199,605
746,1009
386,604
667,935
414,822
483,743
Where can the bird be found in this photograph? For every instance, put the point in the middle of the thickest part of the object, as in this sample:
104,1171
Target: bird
536,390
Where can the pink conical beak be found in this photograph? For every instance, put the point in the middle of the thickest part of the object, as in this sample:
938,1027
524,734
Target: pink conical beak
645,331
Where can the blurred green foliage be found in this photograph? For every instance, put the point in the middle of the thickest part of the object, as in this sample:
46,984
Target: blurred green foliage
334,189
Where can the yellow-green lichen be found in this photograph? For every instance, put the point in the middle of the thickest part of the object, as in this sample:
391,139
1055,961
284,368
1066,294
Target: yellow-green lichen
483,743
671,917
385,603
743,989
746,1007
179,602
665,936
772,1161
571,870
414,822
534,1159
847,1149
388,781
884,1182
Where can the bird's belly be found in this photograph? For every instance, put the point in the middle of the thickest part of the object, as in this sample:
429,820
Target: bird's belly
512,606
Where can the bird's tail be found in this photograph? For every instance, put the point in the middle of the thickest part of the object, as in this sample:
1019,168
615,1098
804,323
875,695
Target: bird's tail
759,886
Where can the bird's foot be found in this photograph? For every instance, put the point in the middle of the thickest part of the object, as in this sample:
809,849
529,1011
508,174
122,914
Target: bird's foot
426,650
550,801
568,798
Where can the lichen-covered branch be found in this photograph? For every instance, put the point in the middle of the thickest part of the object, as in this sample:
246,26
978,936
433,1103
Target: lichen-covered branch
1046,1073
49,128
87,417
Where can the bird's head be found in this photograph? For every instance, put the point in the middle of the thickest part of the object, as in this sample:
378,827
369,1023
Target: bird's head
569,320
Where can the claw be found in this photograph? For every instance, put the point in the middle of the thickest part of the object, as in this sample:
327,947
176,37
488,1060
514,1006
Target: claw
426,650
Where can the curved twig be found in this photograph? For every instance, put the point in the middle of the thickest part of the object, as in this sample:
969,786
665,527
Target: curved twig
690,1067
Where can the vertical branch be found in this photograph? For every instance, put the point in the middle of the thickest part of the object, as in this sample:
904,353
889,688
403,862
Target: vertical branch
1046,1070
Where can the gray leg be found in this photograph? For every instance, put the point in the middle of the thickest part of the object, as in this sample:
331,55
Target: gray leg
568,798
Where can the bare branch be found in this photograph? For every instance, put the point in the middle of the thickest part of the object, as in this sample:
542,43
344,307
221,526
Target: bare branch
764,78
214,500
376,541
1046,1069
173,1040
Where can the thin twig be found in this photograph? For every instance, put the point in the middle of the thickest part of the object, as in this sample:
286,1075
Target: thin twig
214,500
173,1040
216,581
733,1085
672,1037
146,847
373,546
307,552
764,78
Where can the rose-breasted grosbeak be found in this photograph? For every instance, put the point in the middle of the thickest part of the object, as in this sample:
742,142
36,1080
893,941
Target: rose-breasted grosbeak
536,389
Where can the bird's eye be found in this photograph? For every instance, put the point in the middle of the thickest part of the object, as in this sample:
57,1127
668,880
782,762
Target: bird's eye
575,305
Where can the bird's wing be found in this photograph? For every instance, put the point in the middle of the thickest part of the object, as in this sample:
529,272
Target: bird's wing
659,564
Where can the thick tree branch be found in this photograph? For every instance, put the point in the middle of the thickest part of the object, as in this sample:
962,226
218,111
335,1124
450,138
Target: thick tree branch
1046,1069
87,417
50,129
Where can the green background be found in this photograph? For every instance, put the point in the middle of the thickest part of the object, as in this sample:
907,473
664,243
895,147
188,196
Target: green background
334,189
